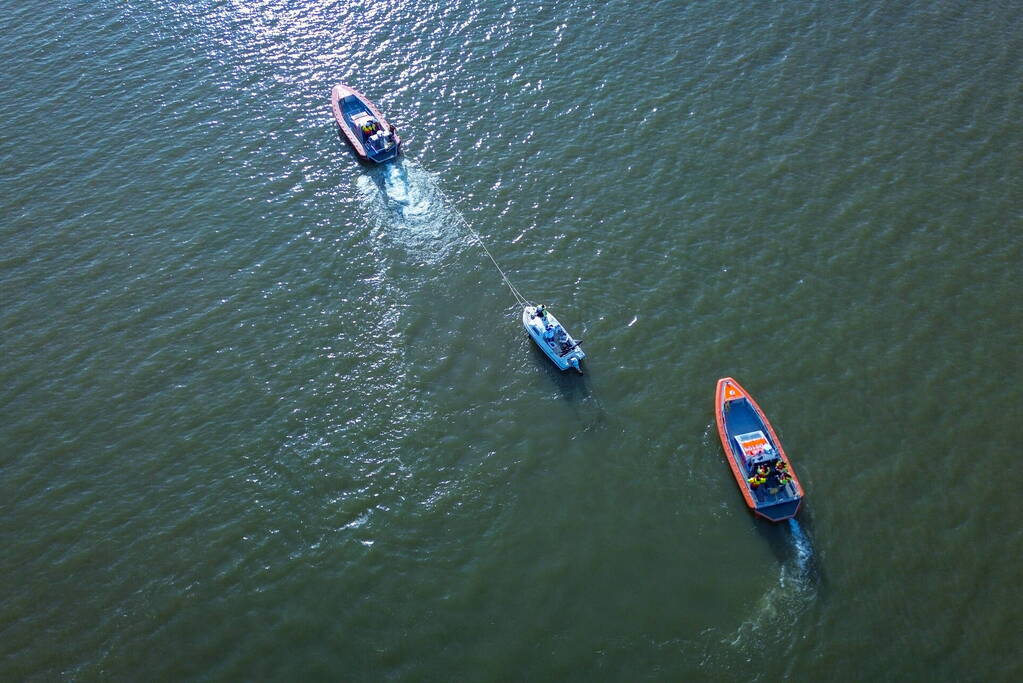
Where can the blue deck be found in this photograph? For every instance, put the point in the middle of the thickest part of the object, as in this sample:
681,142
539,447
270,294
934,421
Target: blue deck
354,112
351,106
773,501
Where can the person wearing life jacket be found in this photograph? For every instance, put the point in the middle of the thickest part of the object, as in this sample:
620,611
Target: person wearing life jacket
781,469
369,126
541,312
561,337
756,480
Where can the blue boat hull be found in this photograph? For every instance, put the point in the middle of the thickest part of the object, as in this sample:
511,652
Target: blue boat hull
565,355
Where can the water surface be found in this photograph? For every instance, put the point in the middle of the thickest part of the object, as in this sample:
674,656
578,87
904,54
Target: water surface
270,414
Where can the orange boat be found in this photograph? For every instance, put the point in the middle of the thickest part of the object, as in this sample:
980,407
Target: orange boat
755,454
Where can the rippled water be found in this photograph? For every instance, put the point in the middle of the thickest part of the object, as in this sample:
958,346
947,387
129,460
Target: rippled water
270,414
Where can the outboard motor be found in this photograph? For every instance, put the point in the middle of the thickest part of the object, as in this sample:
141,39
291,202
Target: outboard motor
382,139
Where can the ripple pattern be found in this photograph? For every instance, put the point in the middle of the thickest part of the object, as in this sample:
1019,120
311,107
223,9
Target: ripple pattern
270,414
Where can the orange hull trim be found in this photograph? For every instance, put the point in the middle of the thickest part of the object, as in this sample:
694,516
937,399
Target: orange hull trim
727,390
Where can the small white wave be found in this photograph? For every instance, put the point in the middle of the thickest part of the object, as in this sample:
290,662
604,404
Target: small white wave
779,606
803,548
407,203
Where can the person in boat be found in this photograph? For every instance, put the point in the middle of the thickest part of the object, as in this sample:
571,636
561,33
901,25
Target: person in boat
756,480
781,468
551,336
541,312
369,126
561,338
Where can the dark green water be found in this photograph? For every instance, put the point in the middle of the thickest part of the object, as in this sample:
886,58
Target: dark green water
270,414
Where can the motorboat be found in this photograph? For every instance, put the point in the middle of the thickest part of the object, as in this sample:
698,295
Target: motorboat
755,454
369,133
552,338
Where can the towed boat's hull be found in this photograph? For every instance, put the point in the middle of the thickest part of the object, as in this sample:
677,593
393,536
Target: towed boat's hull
749,440
535,327
349,107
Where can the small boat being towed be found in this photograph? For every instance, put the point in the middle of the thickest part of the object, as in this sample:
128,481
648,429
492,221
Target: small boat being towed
755,455
365,127
552,338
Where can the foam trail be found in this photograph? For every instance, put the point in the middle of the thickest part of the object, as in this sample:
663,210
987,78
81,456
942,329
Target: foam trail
783,602
411,197
407,204
804,549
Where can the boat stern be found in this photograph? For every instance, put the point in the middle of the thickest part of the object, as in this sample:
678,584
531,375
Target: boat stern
779,512
382,156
